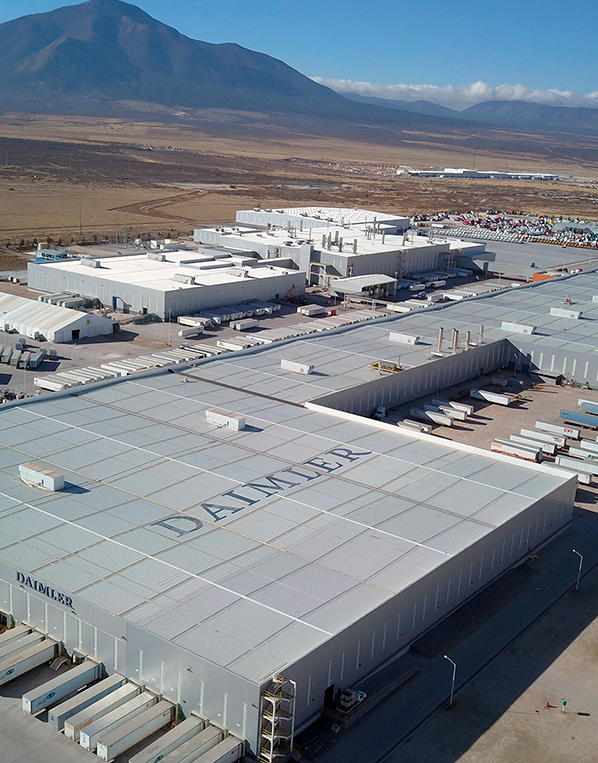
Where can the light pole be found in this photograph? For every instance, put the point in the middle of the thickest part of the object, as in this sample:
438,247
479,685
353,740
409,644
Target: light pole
454,664
579,569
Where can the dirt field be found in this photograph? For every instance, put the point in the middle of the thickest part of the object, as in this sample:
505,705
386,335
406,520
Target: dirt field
73,179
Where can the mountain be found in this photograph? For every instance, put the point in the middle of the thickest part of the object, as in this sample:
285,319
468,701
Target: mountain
533,115
418,107
105,55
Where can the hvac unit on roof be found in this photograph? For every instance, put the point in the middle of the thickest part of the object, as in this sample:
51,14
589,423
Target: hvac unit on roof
222,418
41,476
182,278
87,261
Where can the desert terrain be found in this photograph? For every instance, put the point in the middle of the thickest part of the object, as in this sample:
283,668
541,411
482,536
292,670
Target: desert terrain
80,179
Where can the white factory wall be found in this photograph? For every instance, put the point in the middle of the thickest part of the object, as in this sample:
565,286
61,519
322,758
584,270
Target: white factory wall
387,263
391,628
413,383
182,677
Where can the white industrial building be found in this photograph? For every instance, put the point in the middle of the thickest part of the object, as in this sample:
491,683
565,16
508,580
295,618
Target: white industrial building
242,528
168,283
338,243
53,323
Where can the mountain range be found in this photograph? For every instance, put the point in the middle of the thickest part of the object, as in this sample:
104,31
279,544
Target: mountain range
107,57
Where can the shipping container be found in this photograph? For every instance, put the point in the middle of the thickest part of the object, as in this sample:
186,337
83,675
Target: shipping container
591,445
195,747
193,331
170,741
582,478
99,709
20,644
532,434
417,287
585,419
229,750
491,397
135,730
12,634
517,451
92,734
452,412
23,662
581,453
437,418
588,406
313,310
577,464
61,687
58,715
415,426
559,429
245,324
469,409
549,448
50,384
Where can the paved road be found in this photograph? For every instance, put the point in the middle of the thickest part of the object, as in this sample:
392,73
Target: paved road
554,574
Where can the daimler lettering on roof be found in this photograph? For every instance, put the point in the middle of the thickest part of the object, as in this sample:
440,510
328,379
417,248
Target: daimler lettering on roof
252,493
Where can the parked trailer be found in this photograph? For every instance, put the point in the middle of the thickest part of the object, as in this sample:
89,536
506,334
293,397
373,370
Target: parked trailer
558,429
517,451
577,464
58,715
196,747
469,409
17,645
91,713
52,385
548,448
427,416
591,445
229,750
62,686
532,434
135,730
13,634
245,324
170,741
581,453
585,419
588,406
452,412
415,426
491,397
417,287
23,662
312,310
194,331
92,734
533,447
582,478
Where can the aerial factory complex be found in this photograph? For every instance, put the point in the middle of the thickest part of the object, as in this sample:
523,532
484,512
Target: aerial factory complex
240,535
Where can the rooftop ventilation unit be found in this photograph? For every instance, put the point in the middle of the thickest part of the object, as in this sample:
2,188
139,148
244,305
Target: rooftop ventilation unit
88,262
561,312
181,278
221,418
519,328
295,367
156,256
41,476
239,272
403,338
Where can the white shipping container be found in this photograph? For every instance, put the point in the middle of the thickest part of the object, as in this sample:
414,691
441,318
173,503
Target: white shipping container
92,734
60,687
170,741
72,727
469,409
135,730
245,324
437,418
583,479
20,644
531,434
576,464
23,662
58,715
491,397
229,750
581,453
12,634
195,747
452,412
415,425
560,429
547,447
514,450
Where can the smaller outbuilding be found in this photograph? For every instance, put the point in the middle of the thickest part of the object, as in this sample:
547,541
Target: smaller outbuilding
56,324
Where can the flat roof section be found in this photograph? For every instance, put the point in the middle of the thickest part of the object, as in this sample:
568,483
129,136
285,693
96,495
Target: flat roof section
248,548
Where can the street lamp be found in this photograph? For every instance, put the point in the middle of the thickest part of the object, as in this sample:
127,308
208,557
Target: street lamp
454,664
579,569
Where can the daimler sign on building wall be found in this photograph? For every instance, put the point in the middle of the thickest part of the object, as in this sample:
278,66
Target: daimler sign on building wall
43,588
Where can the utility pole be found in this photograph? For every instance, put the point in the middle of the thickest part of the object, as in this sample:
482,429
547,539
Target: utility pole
80,219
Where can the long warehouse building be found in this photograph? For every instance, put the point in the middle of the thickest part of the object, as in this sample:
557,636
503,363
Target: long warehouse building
241,537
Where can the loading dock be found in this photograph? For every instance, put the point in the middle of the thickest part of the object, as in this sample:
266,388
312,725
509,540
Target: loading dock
72,727
61,713
61,687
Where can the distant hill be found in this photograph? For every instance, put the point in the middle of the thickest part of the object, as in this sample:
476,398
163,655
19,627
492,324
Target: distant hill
418,107
533,115
103,55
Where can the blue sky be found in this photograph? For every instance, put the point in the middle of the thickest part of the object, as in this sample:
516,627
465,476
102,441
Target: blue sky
395,48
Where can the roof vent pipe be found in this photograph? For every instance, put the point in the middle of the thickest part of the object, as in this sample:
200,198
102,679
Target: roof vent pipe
354,246
455,341
468,340
481,341
440,338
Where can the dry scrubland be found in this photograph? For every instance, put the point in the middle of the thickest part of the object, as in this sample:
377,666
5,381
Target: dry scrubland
50,167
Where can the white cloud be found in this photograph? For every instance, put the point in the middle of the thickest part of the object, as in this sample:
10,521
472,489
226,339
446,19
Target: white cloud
463,96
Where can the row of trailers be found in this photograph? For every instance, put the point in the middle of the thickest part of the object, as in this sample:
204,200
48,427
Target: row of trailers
110,715
548,438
